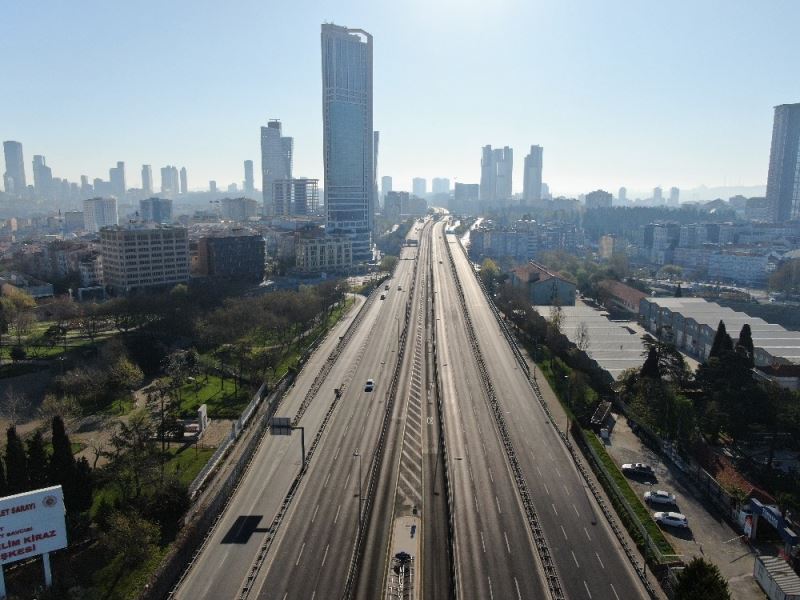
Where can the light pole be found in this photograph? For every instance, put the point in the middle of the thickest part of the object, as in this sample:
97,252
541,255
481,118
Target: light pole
357,454
396,318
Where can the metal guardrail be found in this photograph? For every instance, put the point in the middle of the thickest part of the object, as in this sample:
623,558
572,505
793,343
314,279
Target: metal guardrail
542,547
607,512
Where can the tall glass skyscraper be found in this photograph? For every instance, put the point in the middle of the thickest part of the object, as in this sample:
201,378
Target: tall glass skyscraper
348,135
783,181
14,177
532,183
276,162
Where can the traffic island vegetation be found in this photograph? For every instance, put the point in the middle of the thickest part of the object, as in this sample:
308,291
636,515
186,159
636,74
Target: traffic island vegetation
125,504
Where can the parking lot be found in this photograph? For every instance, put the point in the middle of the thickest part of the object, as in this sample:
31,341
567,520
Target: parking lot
708,536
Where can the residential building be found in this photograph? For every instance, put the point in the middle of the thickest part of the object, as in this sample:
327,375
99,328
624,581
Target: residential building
170,180
42,177
419,186
783,180
532,183
239,209
393,205
116,177
99,213
674,197
73,221
610,245
739,267
466,199
386,186
440,185
183,181
348,136
147,180
658,196
14,176
760,209
496,174
212,186
622,195
276,161
237,254
323,254
543,287
249,187
616,295
598,199
155,210
144,256
91,270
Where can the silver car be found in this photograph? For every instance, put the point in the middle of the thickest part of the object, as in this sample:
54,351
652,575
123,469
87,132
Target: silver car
673,519
660,497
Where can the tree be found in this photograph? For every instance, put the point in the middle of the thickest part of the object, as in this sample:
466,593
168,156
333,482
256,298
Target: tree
678,291
650,368
17,477
84,486
582,336
489,273
131,537
388,263
3,483
701,580
62,462
745,343
167,505
18,353
22,322
14,406
38,467
135,459
722,342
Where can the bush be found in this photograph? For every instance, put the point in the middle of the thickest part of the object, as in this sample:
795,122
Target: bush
18,353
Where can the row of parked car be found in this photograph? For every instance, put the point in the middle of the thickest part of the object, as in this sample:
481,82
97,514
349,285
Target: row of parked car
660,497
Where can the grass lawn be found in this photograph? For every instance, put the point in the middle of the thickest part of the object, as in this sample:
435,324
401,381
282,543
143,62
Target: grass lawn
219,396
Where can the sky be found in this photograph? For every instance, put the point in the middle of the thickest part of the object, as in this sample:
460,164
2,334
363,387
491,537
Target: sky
617,92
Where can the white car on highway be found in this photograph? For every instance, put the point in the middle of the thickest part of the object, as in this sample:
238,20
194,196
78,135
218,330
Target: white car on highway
672,519
660,497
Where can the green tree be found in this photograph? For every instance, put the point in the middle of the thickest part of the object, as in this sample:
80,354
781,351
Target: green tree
135,459
38,462
701,580
130,537
18,353
84,486
17,477
722,342
3,483
62,462
489,273
650,367
388,263
745,343
167,505
678,291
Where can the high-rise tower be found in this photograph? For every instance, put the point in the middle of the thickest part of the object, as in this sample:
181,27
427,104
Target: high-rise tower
147,180
116,177
497,168
532,183
348,135
42,177
783,181
276,162
184,181
249,187
14,177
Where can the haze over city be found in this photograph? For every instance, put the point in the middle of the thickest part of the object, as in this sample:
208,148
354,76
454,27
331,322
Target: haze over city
618,94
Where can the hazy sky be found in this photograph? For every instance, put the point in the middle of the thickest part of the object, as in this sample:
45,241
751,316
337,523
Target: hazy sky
618,93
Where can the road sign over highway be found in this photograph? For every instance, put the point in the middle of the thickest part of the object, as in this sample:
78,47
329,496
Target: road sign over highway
281,426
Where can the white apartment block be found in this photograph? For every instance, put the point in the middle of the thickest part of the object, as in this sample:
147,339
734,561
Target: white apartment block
99,213
137,256
328,253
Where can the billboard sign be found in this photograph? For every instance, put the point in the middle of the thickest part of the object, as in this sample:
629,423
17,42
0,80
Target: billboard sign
281,426
32,523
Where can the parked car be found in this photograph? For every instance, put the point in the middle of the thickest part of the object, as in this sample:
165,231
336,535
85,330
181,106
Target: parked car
673,519
383,296
637,469
660,497
369,386
386,287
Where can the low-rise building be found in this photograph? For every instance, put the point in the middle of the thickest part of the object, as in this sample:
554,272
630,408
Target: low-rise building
238,254
322,254
144,256
542,286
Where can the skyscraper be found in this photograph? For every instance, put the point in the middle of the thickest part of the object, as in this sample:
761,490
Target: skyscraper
14,177
116,177
42,177
783,180
212,186
184,181
532,183
155,210
386,186
440,185
147,180
674,197
99,213
419,186
622,195
658,196
249,187
376,136
496,173
348,135
170,183
276,161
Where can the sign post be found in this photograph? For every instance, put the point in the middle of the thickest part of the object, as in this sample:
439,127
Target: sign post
283,426
32,523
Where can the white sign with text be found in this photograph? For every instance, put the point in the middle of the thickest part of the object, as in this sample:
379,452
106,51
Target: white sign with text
32,523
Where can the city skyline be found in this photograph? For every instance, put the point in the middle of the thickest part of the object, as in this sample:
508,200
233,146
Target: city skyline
689,143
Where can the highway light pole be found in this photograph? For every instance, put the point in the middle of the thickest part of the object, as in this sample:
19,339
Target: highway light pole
357,454
396,318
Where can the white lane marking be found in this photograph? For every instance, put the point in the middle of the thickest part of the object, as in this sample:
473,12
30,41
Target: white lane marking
491,476
497,500
335,456
483,545
564,532
557,471
576,510
285,595
598,558
546,489
615,591
313,594
325,556
575,559
566,489
336,518
554,509
586,585
508,546
326,480
519,594
314,516
476,503
347,480
586,531
491,593
303,547
539,470
347,427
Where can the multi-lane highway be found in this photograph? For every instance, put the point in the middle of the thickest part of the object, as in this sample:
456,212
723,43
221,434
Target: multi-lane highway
374,485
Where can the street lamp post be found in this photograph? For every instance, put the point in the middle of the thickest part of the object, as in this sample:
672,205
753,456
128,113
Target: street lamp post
396,318
357,454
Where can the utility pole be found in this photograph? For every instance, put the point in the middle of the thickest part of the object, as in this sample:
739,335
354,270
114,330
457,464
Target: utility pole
357,454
